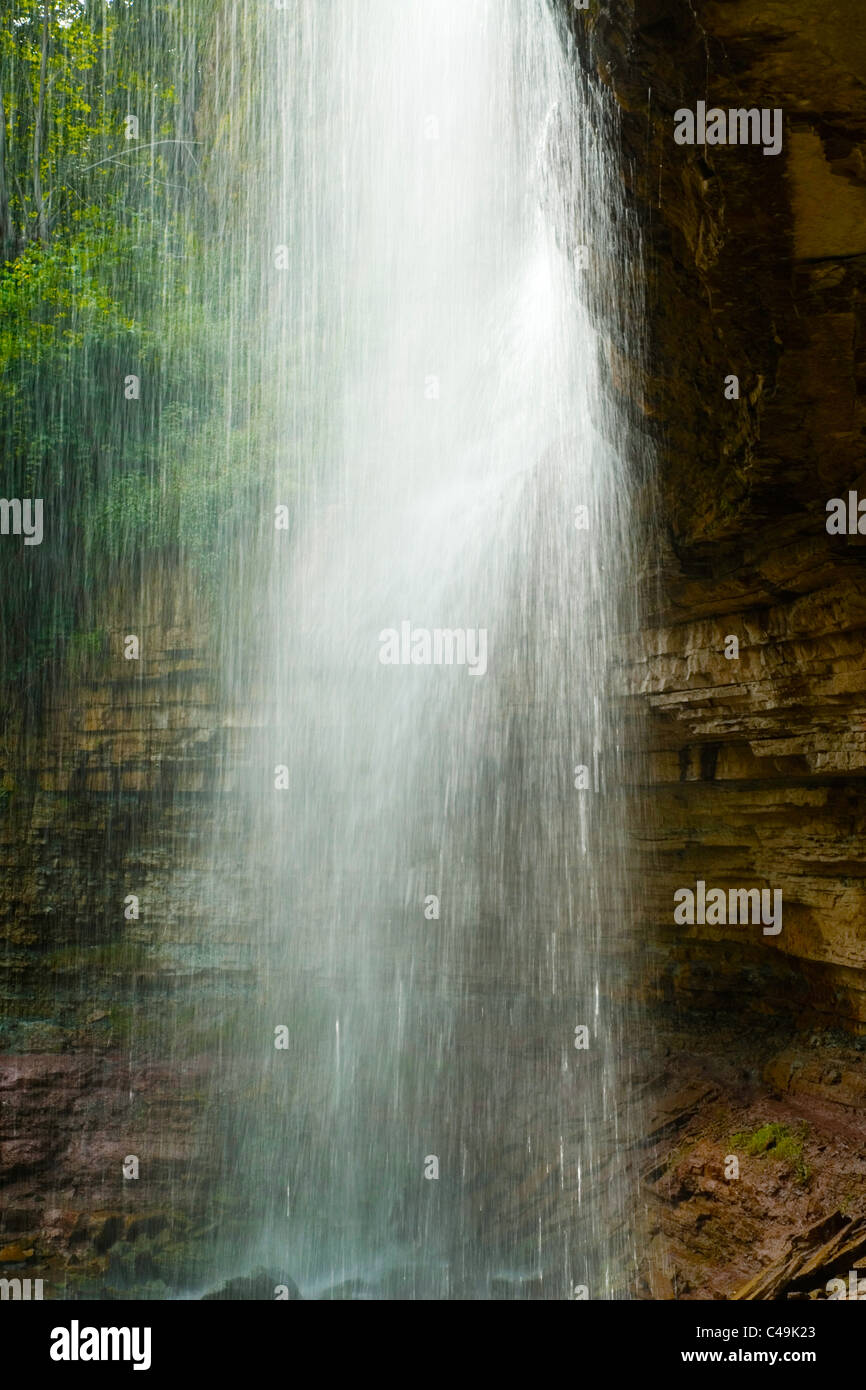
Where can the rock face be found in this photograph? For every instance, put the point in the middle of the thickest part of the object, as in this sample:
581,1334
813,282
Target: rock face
69,1125
96,812
104,797
755,267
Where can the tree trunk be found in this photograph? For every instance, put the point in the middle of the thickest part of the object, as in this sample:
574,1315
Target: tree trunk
38,199
6,237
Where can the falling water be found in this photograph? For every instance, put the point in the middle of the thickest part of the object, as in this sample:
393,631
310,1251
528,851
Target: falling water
422,861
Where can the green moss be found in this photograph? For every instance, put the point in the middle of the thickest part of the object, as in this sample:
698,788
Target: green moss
778,1142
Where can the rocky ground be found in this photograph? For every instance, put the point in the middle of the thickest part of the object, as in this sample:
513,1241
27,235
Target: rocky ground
790,1108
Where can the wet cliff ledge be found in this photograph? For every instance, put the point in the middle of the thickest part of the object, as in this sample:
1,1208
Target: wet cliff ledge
754,268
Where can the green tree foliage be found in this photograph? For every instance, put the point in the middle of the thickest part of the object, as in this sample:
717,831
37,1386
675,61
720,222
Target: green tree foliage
105,273
71,71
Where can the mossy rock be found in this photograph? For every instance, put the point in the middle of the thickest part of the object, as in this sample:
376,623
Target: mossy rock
776,1141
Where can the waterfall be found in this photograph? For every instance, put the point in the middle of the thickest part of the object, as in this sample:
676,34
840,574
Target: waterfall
420,843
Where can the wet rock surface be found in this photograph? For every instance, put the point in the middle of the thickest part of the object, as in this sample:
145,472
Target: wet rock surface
755,266
261,1284
788,1214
